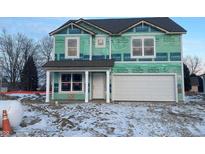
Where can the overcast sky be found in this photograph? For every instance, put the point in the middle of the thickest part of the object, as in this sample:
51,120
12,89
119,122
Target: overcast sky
36,28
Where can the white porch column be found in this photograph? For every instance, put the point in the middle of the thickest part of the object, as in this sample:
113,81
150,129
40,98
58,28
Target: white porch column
47,85
86,86
107,86
52,81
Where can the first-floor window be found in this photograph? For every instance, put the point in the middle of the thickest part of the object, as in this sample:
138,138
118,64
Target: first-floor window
77,82
65,82
71,82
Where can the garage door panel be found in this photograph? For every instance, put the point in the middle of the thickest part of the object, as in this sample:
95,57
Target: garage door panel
143,88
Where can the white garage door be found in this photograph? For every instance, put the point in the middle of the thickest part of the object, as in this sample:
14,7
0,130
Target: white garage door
143,88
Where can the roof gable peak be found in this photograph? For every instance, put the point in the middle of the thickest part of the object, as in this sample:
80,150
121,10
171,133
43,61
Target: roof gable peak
91,24
71,24
142,22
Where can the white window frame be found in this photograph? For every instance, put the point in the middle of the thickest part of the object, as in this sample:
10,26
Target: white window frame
142,38
71,88
66,47
96,42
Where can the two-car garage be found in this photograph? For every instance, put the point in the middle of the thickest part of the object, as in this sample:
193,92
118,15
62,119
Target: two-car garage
148,87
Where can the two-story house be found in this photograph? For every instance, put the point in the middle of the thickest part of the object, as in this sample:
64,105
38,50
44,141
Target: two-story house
130,59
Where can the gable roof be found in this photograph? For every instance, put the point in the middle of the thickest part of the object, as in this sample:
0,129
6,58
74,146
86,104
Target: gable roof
117,26
72,24
93,25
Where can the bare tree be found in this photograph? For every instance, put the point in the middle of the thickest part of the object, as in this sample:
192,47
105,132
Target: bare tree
44,55
15,50
46,46
194,64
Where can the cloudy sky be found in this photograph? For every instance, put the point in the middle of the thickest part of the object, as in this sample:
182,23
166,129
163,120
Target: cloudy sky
36,28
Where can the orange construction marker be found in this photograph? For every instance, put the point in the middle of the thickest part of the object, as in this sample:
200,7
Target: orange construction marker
6,124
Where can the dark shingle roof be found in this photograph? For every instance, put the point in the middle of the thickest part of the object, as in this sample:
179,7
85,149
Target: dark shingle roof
115,26
80,63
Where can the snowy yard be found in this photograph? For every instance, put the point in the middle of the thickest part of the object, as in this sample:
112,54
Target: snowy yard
118,119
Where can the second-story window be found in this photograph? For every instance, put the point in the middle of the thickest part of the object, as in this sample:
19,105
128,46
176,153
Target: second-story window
137,47
143,47
148,46
100,42
72,47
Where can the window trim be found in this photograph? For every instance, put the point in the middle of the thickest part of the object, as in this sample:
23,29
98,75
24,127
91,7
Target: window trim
71,82
96,41
142,38
66,47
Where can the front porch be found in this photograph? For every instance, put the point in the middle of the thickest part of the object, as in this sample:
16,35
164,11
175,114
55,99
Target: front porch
85,82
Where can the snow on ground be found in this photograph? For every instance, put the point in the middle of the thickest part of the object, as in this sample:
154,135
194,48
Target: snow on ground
194,98
26,96
114,119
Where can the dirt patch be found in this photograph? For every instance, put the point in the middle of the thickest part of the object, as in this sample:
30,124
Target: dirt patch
27,121
6,97
185,115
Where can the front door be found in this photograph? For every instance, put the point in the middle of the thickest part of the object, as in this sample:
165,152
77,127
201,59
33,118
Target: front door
98,86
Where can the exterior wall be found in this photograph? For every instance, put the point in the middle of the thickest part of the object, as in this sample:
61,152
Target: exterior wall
65,96
151,67
60,46
167,60
168,47
100,53
131,67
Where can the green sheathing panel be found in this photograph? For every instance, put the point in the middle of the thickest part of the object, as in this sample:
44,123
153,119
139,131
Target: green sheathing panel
121,44
60,45
85,44
72,30
167,47
168,43
61,96
147,68
152,68
100,51
143,28
64,96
